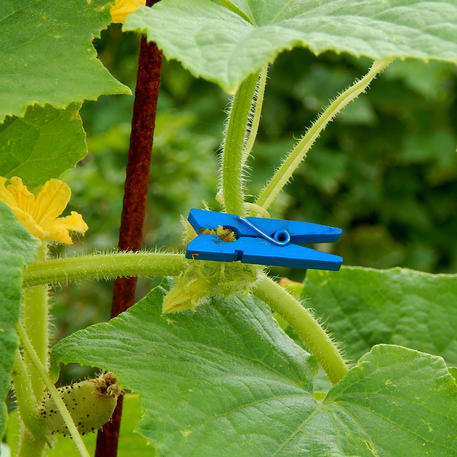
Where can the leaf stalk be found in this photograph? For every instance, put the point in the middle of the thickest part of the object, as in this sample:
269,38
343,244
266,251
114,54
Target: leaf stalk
234,146
307,327
293,160
256,113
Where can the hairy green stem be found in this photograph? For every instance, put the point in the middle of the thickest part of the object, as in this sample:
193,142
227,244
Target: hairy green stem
234,145
29,386
28,407
104,266
257,111
292,161
36,324
305,325
28,348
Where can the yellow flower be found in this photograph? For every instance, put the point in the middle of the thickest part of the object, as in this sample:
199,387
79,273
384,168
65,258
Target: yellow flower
40,215
122,8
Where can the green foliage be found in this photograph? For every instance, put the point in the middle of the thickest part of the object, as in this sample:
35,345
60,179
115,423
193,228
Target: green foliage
37,67
229,44
17,247
363,307
42,144
226,380
396,402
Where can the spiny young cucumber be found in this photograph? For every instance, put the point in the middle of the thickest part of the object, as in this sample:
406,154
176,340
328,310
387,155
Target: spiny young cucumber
90,403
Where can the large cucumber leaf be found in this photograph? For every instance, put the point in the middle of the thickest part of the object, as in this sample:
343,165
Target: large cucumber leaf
225,381
17,247
362,307
42,144
226,42
47,56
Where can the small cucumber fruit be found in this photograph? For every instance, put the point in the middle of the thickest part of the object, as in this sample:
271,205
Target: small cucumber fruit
90,403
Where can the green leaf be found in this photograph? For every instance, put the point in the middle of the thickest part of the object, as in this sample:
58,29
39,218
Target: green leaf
42,144
225,44
16,247
198,372
395,402
47,55
226,381
362,307
131,444
15,240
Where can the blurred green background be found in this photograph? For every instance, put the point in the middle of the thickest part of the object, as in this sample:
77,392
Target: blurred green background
385,171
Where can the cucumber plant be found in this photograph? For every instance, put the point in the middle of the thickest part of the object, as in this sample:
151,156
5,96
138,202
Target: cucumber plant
215,373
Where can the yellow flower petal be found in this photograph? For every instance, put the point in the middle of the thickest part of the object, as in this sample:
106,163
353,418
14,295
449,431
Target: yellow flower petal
51,201
40,215
27,221
58,229
122,8
23,198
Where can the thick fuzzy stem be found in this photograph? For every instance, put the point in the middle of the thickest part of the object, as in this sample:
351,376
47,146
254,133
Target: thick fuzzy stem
36,320
293,160
29,386
305,325
36,324
104,266
234,146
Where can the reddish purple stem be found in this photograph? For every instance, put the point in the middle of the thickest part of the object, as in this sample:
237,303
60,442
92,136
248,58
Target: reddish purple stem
134,204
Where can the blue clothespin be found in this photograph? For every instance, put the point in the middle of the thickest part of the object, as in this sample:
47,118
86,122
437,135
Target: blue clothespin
262,241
